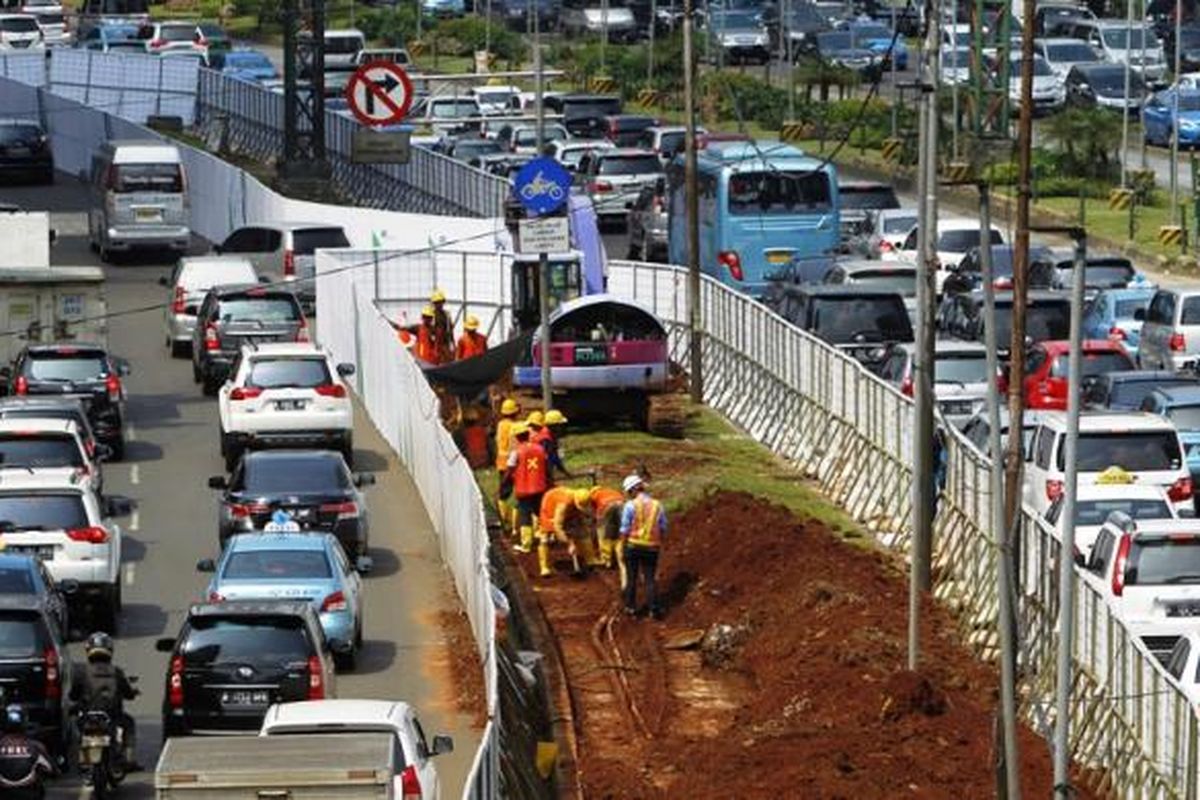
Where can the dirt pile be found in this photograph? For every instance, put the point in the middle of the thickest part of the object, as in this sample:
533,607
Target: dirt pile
779,671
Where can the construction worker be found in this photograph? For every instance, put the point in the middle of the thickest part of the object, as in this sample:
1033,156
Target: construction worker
421,339
527,470
442,327
472,343
566,515
548,439
504,445
643,524
537,434
609,504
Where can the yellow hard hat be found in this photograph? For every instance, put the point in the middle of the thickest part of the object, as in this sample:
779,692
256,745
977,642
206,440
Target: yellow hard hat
427,311
555,417
535,419
583,498
509,407
471,323
438,296
520,429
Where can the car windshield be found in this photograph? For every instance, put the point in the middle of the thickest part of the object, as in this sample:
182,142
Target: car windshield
1170,560
1043,322
1093,364
294,475
956,58
1136,37
147,178
1191,311
736,19
1133,452
1076,52
1130,394
65,367
496,98
275,373
19,134
1040,67
961,368
266,309
1185,418
899,224
959,38
39,450
871,197
777,192
343,45
256,640
1113,79
1188,101
671,143
602,107
837,40
307,240
963,239
630,165
18,25
1125,309
527,137
47,512
1100,276
903,281
474,147
850,319
277,565
16,580
177,33
453,109
866,32
21,636
1094,512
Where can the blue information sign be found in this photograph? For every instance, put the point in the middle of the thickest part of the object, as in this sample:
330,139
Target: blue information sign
542,185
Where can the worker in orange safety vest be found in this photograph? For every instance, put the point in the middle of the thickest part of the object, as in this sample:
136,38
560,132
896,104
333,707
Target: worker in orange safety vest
527,470
472,343
567,516
421,339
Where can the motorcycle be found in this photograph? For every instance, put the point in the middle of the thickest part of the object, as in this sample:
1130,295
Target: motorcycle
99,736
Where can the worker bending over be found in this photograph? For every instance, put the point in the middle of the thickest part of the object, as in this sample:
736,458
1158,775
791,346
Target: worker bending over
567,516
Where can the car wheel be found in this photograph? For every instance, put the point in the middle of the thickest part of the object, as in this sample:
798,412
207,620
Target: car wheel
118,450
106,614
345,662
233,454
358,628
48,177
180,349
104,253
347,450
197,376
209,386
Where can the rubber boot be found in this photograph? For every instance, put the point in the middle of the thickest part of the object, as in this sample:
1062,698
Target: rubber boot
502,511
587,549
525,544
606,552
620,554
543,549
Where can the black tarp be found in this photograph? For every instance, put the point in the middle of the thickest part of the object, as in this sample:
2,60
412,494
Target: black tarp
472,376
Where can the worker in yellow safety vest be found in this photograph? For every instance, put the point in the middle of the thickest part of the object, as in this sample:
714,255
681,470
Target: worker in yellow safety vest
504,445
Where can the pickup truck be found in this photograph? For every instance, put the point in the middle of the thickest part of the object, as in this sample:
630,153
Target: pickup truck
335,766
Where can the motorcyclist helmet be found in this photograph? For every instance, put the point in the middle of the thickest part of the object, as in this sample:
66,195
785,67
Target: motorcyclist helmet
99,647
14,719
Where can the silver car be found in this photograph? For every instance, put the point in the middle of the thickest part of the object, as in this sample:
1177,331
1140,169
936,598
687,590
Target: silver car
138,198
1171,330
961,378
283,251
189,282
612,179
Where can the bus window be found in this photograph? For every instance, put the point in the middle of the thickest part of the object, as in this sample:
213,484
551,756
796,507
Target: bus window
778,192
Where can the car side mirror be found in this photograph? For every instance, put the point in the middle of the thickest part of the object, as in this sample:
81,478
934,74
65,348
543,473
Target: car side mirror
345,370
1079,559
218,482
164,645
264,278
1139,315
206,565
163,282
442,744
68,586
116,506
364,479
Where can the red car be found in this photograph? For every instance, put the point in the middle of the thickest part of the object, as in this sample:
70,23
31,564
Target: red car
1047,365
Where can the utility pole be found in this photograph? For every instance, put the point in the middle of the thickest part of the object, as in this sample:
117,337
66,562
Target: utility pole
923,487
1175,100
1125,107
304,154
539,84
603,35
1128,53
692,198
650,51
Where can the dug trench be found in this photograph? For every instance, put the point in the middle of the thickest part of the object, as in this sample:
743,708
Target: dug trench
779,671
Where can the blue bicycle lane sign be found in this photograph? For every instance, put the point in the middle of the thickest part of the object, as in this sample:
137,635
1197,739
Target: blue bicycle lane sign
542,185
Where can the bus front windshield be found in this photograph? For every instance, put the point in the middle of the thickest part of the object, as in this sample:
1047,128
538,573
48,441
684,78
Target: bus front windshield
777,192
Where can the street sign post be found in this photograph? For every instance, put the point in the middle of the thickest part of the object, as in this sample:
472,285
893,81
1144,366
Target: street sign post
380,147
379,93
542,187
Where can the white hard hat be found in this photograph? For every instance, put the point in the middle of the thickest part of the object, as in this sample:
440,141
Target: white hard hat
632,482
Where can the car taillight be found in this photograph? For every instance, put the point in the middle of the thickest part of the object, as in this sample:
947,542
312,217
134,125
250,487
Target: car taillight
1118,576
179,303
289,262
334,602
93,534
906,386
112,385
156,43
243,510
316,679
885,246
53,677
211,342
302,331
245,393
1054,490
600,187
410,784
732,262
175,683
1176,344
216,597
1180,490
21,385
330,390
1002,283
110,178
1116,334
658,207
347,508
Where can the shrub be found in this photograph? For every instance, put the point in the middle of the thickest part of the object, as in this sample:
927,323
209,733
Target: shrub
393,26
465,35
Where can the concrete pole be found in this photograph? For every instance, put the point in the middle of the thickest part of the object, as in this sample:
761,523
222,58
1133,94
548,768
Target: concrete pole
1175,125
544,328
1125,118
650,52
1066,549
692,197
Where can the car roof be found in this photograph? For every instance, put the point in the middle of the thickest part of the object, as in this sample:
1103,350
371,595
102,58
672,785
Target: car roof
277,349
38,425
854,265
1180,394
226,289
1116,421
42,401
947,347
336,712
841,290
141,151
628,152
20,602
23,481
1119,491
1037,295
273,541
1156,528
213,260
66,347
291,455
251,608
19,121
1059,346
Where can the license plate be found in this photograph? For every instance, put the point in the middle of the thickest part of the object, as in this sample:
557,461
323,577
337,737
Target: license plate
18,151
1184,610
95,741
958,408
778,258
147,215
289,405
246,698
44,552
591,354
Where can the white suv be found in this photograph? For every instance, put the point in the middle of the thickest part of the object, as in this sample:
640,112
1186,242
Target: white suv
53,449
285,394
63,522
1144,445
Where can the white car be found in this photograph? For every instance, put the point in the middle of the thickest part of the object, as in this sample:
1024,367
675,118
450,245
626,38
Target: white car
1061,53
1183,665
419,777
956,236
890,230
496,100
189,282
570,152
954,65
1145,445
285,395
49,14
52,449
64,523
21,32
1049,90
1116,491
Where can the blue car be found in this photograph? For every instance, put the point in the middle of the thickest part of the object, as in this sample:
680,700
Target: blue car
1181,405
1158,117
1117,314
246,65
876,37
113,37
294,566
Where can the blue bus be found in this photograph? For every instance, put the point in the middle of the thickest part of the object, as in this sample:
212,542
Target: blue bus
761,206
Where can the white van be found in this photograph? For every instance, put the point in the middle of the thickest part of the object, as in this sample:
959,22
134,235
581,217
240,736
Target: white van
1146,446
139,198
341,48
189,282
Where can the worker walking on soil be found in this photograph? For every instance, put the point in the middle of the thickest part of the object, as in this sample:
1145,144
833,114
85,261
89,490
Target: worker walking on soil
567,516
537,434
472,343
609,505
643,525
442,327
527,470
504,446
549,440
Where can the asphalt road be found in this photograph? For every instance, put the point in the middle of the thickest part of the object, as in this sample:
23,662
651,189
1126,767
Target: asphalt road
172,449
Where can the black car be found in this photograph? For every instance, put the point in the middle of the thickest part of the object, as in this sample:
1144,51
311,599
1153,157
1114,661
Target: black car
85,372
314,490
583,114
968,275
232,660
1048,317
837,48
25,150
35,669
23,575
1125,391
625,130
1103,86
231,316
860,320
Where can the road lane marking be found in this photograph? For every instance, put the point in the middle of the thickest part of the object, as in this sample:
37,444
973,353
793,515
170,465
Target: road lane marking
130,573
130,432
135,520
135,475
